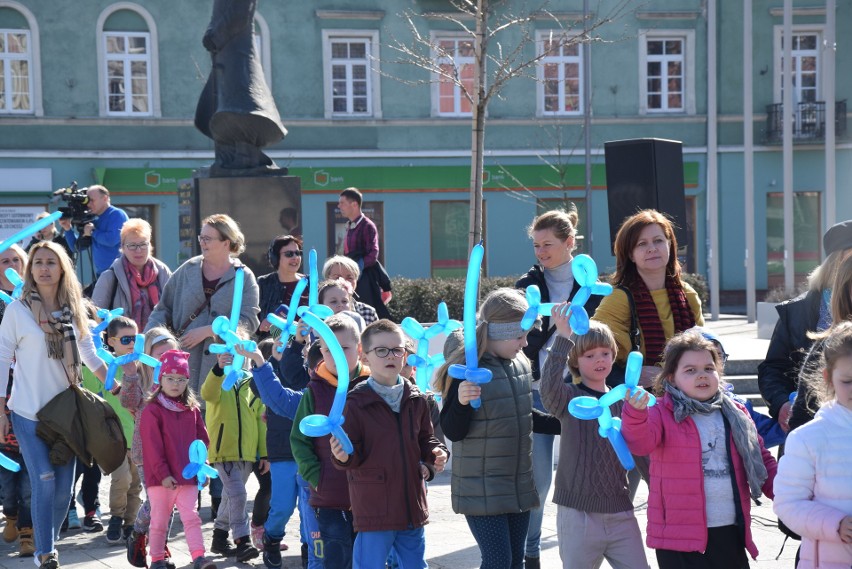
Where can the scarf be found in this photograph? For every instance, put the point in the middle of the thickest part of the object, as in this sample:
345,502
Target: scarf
171,404
144,293
392,395
824,322
58,335
742,428
649,320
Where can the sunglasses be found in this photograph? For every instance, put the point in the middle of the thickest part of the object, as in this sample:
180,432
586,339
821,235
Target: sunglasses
291,254
125,340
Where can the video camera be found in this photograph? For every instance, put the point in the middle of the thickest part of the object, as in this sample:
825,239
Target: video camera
77,210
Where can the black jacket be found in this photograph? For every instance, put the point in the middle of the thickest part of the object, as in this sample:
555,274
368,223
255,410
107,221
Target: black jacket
538,337
778,374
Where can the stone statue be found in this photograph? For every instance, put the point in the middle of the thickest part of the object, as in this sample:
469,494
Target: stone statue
236,108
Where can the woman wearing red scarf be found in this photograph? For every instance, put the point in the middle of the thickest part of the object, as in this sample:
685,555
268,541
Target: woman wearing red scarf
136,279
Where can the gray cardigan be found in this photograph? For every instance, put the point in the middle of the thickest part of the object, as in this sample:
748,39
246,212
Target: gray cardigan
182,296
113,289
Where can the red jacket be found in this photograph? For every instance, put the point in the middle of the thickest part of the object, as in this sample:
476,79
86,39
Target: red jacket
166,436
677,514
386,488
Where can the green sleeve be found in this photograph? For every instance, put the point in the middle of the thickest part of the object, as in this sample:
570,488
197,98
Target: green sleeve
261,430
211,389
302,446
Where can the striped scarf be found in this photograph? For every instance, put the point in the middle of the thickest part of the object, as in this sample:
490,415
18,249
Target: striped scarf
649,320
58,335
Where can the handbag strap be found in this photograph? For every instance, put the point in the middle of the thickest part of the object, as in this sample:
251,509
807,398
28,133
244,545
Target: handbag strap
635,344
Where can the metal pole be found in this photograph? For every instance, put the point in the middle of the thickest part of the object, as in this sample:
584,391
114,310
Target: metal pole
712,162
830,78
748,160
789,115
587,126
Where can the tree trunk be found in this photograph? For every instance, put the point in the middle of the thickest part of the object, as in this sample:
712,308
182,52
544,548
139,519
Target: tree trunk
478,126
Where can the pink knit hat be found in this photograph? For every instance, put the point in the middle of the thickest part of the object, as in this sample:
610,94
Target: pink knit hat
175,362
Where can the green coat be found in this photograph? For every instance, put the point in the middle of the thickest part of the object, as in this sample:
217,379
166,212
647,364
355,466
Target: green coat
235,420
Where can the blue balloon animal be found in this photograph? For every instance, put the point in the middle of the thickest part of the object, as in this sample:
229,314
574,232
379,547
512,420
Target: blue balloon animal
198,467
586,274
320,310
288,327
17,283
113,362
609,427
536,309
319,425
226,329
29,230
425,363
470,370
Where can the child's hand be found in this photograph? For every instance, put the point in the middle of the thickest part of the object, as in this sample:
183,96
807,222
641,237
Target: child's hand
224,359
169,483
845,529
559,318
302,332
639,399
440,459
468,391
276,355
130,368
256,357
263,466
424,472
337,450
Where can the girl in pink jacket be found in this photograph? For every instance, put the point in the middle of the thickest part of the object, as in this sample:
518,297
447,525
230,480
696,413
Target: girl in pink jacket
707,460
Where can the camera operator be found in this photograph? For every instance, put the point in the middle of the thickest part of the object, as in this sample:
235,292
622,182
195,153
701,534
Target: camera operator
105,231
49,233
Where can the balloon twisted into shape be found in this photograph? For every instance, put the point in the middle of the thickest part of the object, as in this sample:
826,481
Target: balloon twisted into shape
586,274
226,329
320,310
113,362
318,425
425,363
609,427
537,307
17,283
9,464
106,317
29,230
288,327
198,466
470,370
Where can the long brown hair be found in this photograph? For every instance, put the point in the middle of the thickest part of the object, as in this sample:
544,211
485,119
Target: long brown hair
841,292
68,293
688,341
626,272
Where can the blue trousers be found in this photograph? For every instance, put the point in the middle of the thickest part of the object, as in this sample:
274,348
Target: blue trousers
500,539
51,485
285,489
309,526
337,538
372,548
543,476
17,492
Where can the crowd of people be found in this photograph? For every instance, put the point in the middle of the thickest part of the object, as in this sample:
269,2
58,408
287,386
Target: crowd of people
362,502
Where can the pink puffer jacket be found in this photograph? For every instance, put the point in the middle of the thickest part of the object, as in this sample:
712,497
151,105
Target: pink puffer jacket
677,516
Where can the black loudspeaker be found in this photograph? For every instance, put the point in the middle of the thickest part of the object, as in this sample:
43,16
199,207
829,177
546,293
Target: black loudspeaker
645,173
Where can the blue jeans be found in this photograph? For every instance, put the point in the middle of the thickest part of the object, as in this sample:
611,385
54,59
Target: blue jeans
372,548
500,539
337,538
17,492
51,485
543,476
308,525
283,500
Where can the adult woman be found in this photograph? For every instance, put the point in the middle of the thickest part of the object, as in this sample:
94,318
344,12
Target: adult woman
647,278
45,333
554,241
340,267
136,279
12,258
276,288
202,289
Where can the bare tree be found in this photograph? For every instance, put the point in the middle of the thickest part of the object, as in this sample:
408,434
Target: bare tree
493,68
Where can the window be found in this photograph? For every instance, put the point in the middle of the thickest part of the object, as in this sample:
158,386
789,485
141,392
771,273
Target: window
805,64
16,95
560,75
667,83
128,62
351,74
806,241
455,56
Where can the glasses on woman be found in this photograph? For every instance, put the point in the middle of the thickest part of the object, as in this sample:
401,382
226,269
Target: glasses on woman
137,246
176,379
383,352
291,254
207,239
125,340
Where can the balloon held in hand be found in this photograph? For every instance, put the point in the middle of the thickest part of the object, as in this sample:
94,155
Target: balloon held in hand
198,467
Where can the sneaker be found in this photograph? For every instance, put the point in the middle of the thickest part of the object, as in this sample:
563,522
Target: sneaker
257,535
161,564
92,524
532,562
137,553
49,561
203,563
125,532
73,519
113,534
245,550
271,552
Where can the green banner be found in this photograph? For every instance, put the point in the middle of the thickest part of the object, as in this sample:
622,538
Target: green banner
144,180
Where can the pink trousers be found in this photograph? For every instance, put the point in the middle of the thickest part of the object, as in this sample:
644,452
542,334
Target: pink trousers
162,502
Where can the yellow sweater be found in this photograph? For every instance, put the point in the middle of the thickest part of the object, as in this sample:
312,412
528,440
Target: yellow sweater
614,311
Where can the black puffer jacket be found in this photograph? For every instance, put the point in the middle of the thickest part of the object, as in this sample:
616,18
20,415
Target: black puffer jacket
778,374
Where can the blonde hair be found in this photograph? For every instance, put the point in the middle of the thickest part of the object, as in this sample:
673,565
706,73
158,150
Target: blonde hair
20,254
688,341
500,306
841,291
154,337
340,260
562,223
138,226
68,293
598,336
228,229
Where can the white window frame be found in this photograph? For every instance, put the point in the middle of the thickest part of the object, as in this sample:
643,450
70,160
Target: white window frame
541,37
436,38
34,59
688,39
374,96
152,57
128,59
777,50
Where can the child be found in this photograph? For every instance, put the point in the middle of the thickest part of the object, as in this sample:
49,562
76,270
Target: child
16,491
707,460
337,295
388,422
492,478
329,488
595,518
135,391
813,494
235,417
169,424
125,486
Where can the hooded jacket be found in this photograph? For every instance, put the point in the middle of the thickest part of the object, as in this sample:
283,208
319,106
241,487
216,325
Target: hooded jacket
234,419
